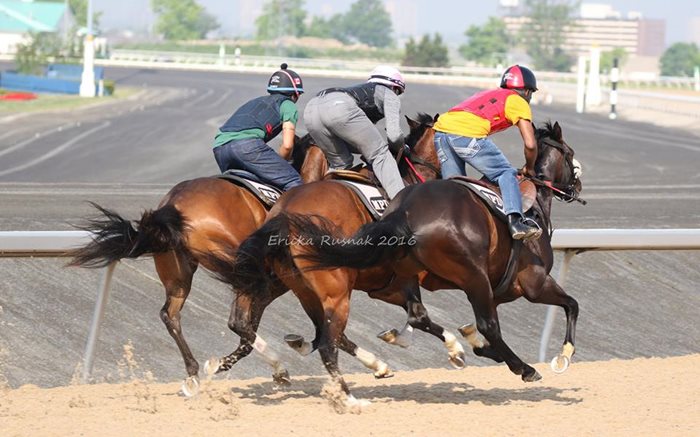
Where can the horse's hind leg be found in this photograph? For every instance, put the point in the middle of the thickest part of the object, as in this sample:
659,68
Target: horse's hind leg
175,270
484,307
552,294
410,299
309,301
246,312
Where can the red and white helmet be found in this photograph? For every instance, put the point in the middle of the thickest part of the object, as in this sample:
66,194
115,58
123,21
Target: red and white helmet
389,76
519,77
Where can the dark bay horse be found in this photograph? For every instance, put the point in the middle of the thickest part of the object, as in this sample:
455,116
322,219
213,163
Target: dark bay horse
269,257
456,242
196,216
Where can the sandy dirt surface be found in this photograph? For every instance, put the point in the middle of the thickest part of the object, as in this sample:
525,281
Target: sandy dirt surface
620,397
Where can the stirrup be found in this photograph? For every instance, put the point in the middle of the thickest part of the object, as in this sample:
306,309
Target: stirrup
534,231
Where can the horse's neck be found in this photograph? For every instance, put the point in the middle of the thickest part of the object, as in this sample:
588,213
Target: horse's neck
314,166
425,150
544,206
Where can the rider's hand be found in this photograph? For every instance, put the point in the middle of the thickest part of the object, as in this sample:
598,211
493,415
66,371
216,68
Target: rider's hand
530,173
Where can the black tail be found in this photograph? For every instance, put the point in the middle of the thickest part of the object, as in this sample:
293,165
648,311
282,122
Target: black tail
116,238
249,272
372,244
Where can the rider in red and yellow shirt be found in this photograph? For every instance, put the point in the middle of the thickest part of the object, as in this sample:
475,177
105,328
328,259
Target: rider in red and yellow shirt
461,136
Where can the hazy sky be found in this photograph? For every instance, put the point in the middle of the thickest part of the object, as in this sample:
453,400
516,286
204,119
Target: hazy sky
449,17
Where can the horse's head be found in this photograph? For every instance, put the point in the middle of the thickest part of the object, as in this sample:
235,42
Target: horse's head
421,153
556,163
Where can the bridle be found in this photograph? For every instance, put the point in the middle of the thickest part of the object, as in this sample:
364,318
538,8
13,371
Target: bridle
405,153
565,192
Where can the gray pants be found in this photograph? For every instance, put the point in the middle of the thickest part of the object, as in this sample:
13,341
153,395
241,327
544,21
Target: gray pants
339,127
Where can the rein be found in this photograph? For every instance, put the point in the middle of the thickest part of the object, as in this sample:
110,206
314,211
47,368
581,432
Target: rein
552,186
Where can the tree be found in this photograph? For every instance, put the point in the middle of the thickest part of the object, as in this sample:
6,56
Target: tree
543,35
281,18
368,22
428,53
333,27
33,56
488,44
182,19
680,59
606,58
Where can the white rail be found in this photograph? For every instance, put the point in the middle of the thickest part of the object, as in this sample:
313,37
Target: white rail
571,241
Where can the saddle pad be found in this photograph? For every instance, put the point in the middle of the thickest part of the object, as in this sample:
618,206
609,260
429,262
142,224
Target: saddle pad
494,200
267,194
347,175
528,191
373,200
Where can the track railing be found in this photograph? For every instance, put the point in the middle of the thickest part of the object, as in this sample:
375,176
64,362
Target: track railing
570,241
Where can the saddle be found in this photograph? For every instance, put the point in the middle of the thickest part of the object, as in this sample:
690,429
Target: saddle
267,194
372,197
490,193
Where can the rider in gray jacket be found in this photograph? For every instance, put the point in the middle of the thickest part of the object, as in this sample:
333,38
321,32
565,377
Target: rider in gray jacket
342,121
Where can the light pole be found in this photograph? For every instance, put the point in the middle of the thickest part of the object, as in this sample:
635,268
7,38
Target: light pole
87,83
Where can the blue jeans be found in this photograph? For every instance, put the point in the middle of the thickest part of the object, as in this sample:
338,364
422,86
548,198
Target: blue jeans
482,154
255,156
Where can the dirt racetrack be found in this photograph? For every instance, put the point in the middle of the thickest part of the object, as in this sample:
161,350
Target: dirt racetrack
646,396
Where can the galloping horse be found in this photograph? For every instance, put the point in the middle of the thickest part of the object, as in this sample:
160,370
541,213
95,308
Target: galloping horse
196,216
269,257
456,242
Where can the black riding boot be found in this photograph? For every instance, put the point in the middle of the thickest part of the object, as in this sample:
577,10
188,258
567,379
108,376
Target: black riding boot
521,229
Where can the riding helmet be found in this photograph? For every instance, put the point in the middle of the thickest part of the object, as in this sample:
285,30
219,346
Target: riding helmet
519,77
388,76
285,81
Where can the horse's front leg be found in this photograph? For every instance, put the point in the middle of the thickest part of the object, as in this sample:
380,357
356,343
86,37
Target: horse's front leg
552,294
487,323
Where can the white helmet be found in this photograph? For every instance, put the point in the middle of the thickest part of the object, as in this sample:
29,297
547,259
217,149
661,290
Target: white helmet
388,76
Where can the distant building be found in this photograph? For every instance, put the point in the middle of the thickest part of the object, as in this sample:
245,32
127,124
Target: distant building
599,25
695,30
18,18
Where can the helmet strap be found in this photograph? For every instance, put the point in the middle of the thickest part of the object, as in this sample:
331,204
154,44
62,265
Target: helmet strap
291,79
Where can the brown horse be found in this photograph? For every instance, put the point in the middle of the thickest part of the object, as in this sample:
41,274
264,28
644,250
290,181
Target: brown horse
194,217
269,257
452,240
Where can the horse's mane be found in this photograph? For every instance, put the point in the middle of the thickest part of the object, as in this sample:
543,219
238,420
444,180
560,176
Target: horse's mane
545,131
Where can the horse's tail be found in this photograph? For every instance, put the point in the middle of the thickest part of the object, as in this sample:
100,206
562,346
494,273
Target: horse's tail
249,272
115,238
374,243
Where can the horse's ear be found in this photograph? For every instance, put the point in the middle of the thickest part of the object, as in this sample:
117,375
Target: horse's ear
437,115
556,130
411,122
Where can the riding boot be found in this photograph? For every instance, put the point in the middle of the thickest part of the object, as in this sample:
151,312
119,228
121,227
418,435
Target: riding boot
521,229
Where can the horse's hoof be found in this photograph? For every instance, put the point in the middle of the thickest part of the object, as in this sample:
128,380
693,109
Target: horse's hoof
470,334
383,372
282,378
212,366
190,386
531,376
458,361
294,341
467,330
560,363
389,335
354,405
